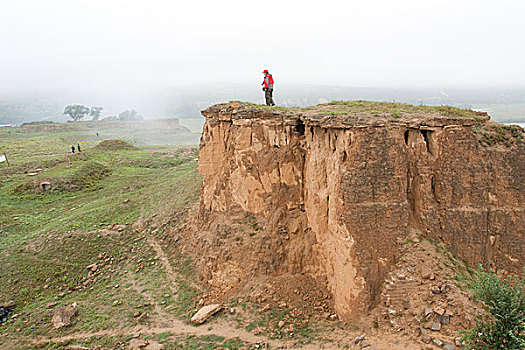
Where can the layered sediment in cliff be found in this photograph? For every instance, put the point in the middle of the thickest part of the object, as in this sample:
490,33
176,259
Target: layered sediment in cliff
331,191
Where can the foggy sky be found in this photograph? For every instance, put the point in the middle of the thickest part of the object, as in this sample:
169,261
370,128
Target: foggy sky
141,44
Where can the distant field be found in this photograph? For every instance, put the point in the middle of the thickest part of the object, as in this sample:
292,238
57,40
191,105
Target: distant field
35,135
193,124
504,113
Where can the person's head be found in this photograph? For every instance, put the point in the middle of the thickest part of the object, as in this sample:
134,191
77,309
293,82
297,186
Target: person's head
265,72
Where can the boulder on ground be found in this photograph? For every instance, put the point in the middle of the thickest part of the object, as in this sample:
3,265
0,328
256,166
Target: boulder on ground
62,316
205,313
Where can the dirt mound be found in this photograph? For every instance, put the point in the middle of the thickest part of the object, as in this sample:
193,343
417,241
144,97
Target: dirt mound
88,175
114,145
83,178
43,126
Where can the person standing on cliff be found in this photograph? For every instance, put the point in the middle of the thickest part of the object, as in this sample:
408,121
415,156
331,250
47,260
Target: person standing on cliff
268,88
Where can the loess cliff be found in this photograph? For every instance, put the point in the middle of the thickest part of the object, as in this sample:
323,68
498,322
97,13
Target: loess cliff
331,191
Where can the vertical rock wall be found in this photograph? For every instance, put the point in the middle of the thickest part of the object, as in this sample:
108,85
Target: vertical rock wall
344,192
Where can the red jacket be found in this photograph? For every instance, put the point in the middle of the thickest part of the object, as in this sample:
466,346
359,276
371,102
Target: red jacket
268,81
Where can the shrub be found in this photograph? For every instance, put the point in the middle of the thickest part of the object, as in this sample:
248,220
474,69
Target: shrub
504,325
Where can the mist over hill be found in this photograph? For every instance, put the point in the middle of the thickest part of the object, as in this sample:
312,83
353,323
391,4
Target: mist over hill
504,104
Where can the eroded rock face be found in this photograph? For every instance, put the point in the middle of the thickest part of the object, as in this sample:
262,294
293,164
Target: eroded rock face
336,192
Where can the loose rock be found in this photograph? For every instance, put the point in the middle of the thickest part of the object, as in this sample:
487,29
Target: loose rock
445,319
62,316
438,342
424,336
436,326
439,310
10,304
359,339
92,267
205,313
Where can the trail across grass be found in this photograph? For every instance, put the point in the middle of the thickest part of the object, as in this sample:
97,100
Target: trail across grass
48,238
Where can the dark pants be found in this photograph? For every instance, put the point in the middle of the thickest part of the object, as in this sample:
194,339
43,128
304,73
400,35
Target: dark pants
268,94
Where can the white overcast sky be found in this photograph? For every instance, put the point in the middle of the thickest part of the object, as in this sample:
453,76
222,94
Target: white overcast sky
153,43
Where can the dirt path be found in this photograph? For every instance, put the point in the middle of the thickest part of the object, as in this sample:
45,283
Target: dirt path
159,316
170,273
176,328
173,276
173,326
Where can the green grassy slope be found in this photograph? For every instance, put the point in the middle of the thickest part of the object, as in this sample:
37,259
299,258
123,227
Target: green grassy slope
47,239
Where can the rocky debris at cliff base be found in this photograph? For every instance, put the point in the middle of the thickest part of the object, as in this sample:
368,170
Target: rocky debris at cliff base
448,346
205,313
424,336
302,295
436,326
438,307
63,315
359,339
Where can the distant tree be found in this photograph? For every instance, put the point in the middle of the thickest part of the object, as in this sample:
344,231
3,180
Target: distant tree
129,115
76,112
95,112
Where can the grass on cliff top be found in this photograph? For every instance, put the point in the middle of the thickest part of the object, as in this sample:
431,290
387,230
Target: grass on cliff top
492,133
376,109
394,108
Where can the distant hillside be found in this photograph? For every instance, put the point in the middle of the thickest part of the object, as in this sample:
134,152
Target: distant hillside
504,104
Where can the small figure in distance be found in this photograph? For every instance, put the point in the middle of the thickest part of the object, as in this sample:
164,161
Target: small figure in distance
268,88
72,149
97,133
78,147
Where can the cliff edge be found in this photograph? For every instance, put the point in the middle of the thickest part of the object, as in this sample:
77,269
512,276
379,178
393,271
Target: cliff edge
332,192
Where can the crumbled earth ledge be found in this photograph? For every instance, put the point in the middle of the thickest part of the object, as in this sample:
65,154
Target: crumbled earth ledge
332,192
